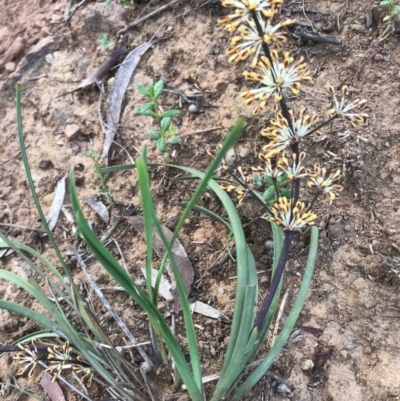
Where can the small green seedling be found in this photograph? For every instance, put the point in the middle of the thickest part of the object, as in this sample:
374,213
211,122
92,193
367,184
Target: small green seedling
394,9
105,44
165,134
104,189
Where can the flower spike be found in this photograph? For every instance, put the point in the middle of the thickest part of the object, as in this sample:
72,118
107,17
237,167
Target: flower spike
322,182
249,42
281,135
290,216
244,10
275,78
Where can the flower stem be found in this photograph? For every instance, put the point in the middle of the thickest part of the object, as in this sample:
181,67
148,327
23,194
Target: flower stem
275,279
323,124
282,103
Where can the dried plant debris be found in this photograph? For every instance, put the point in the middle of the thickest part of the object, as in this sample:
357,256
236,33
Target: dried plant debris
117,93
52,216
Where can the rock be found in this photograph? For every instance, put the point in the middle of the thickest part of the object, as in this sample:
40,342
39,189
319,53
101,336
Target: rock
357,175
369,20
358,28
283,388
34,58
347,228
193,109
269,245
71,131
10,66
231,157
307,364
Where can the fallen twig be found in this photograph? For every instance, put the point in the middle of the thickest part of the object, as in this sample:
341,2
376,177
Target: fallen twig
146,17
39,230
301,32
12,157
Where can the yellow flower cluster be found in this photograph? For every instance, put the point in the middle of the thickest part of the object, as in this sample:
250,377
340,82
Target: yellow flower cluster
292,216
274,77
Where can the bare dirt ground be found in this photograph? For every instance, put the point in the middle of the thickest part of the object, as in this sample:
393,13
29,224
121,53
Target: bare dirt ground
354,300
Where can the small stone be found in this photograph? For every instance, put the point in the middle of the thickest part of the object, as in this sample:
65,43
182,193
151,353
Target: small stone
221,291
170,28
307,364
10,67
269,245
358,28
347,228
283,388
369,19
344,354
231,157
357,175
193,109
71,131
45,164
387,144
379,57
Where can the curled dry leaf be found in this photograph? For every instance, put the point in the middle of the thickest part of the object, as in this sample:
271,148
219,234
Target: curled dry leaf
99,208
57,204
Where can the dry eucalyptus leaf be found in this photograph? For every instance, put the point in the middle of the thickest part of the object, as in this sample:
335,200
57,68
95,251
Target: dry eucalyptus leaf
98,207
53,390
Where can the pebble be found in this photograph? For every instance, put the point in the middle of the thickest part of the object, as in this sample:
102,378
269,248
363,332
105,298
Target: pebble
71,131
269,245
379,57
387,144
230,157
10,67
357,175
193,109
368,19
283,388
358,28
307,364
347,228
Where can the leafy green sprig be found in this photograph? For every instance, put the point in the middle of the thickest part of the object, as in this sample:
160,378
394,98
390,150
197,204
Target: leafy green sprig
165,133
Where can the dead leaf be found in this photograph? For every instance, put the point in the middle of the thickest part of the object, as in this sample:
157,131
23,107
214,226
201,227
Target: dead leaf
98,207
207,310
117,93
313,330
56,206
53,390
182,261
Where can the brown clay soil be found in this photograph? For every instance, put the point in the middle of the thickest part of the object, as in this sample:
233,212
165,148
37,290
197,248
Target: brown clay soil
354,299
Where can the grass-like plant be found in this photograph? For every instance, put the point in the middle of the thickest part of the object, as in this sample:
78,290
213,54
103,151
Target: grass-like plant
85,347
